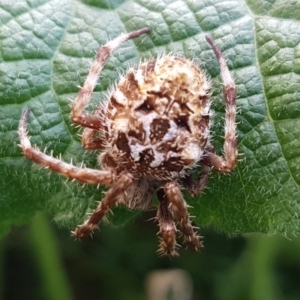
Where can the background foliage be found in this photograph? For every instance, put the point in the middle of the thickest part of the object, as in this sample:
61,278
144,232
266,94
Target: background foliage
41,262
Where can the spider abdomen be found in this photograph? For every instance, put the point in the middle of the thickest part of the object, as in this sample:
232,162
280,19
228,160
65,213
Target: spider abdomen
158,118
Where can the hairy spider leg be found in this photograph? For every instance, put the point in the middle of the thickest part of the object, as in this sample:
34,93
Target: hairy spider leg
229,161
84,96
178,207
196,187
94,139
110,199
94,123
83,175
167,227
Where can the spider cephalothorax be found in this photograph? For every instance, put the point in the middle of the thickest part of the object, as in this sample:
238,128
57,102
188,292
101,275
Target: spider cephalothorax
154,130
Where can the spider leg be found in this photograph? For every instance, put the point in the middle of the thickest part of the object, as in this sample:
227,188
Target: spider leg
179,208
196,187
84,175
91,141
167,228
110,199
84,96
227,163
94,139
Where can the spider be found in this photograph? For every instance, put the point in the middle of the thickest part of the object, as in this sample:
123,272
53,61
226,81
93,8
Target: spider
153,130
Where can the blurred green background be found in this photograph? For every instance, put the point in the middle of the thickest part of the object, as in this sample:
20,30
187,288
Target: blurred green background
41,261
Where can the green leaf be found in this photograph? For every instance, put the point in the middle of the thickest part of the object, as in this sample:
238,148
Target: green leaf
46,49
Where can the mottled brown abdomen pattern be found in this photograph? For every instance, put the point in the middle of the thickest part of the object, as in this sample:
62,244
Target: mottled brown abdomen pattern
157,118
